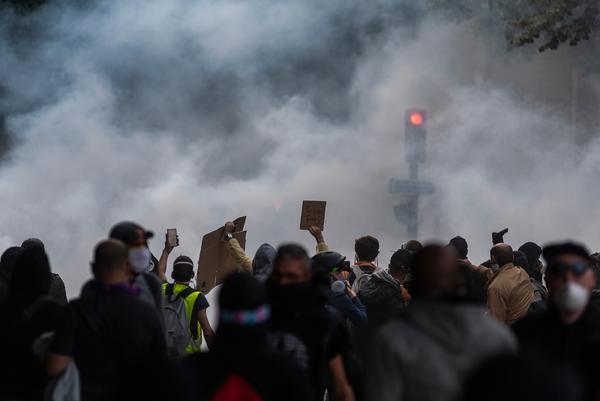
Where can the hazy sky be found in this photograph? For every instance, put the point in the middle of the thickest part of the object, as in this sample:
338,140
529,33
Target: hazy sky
189,113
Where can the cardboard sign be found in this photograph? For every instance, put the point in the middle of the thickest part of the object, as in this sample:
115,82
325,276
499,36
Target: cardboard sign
216,261
313,214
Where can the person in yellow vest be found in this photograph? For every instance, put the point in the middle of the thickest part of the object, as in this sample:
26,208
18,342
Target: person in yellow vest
195,305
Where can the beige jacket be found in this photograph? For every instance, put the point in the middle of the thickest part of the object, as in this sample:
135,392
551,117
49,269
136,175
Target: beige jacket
509,293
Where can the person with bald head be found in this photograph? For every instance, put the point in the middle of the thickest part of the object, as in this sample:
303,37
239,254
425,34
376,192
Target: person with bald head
509,290
427,352
113,336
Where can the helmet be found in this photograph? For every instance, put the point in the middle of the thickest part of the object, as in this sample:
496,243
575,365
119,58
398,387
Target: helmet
326,262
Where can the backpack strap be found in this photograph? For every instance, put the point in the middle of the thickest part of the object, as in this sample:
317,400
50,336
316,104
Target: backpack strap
183,294
186,292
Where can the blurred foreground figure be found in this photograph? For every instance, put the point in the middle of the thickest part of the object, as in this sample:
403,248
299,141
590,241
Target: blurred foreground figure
568,332
113,336
240,365
302,327
521,378
29,317
425,354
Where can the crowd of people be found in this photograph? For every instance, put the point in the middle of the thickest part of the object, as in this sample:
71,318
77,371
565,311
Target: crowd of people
432,325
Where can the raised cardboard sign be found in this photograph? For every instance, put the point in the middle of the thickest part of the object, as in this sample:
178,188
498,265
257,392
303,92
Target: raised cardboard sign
215,261
313,214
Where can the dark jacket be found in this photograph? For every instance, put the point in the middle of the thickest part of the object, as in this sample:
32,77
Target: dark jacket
576,346
57,290
241,359
382,296
262,264
27,314
348,308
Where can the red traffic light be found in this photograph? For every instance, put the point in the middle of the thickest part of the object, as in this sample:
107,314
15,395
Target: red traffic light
415,118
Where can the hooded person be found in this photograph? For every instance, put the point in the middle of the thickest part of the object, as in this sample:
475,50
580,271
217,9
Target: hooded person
30,315
262,264
461,246
568,332
533,252
540,294
428,351
57,286
7,264
241,361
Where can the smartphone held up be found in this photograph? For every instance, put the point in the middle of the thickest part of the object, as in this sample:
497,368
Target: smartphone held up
172,237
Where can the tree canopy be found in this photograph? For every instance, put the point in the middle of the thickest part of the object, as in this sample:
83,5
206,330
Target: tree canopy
547,23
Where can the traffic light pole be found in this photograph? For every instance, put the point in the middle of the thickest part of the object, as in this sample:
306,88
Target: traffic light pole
415,151
412,227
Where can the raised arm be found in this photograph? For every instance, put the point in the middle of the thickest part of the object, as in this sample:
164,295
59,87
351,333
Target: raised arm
234,247
161,269
317,234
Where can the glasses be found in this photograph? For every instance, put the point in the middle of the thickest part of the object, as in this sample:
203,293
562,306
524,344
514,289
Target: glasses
561,268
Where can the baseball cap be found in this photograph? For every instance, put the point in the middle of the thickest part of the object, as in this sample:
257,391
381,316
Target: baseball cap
128,232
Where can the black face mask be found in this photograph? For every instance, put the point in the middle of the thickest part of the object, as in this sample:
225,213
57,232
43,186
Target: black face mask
290,297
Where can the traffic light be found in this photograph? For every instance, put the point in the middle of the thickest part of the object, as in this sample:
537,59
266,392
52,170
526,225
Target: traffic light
415,133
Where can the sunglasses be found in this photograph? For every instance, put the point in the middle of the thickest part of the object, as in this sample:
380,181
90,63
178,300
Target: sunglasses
561,268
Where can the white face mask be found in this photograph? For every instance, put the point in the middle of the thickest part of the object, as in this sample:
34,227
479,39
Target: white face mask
139,259
571,298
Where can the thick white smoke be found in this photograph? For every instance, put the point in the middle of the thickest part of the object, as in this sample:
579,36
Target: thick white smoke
188,113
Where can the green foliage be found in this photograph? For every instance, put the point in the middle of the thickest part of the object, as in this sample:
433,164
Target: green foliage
554,22
548,23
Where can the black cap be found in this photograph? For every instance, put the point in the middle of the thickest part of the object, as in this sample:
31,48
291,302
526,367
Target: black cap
128,232
183,269
552,251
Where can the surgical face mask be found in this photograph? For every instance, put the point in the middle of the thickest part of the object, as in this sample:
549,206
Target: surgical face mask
571,298
140,259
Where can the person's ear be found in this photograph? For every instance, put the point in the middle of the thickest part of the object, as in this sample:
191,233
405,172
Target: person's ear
589,279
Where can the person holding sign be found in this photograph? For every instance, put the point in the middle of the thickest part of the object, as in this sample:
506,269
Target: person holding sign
235,248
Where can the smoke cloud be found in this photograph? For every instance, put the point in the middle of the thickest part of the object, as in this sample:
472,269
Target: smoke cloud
189,113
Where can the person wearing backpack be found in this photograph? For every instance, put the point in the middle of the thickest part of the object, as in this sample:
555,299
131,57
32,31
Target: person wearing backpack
185,312
366,249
